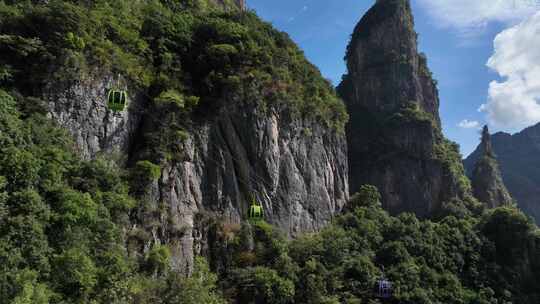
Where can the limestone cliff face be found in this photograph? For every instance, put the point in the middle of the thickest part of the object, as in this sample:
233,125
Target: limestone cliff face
488,186
80,106
385,68
296,167
394,136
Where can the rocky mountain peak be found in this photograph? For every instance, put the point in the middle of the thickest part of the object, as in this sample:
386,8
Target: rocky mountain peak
518,157
394,136
487,182
486,145
384,63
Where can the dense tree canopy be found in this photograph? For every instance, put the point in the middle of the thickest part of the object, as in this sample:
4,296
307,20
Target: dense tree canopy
493,258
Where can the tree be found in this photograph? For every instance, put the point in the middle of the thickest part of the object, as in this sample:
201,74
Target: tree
367,196
30,290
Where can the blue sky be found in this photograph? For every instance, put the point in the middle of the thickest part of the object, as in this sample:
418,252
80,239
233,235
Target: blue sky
458,38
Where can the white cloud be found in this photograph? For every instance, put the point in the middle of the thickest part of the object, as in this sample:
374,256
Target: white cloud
468,16
469,124
513,103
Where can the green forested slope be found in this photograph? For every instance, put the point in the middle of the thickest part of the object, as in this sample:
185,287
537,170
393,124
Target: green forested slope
188,53
493,258
63,220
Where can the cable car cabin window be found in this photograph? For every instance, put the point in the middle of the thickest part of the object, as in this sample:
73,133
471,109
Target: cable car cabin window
123,98
255,212
117,100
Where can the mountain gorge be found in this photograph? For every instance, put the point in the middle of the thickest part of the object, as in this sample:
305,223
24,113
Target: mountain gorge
150,204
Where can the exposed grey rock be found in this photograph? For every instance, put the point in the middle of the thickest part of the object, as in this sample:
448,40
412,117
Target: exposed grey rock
384,65
394,137
299,180
296,167
80,106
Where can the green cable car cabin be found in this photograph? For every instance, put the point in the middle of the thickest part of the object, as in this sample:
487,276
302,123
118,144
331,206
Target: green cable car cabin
117,100
255,211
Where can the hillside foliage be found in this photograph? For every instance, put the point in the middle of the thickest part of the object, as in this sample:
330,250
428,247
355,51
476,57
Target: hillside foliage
492,258
63,220
177,51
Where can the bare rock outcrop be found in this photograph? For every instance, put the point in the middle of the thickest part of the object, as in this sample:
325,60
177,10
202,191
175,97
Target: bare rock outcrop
394,135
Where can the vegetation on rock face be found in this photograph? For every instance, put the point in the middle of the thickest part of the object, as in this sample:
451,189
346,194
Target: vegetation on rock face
61,222
395,139
447,152
64,221
179,51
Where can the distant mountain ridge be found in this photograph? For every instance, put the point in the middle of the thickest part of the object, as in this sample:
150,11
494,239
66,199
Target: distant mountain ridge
519,159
